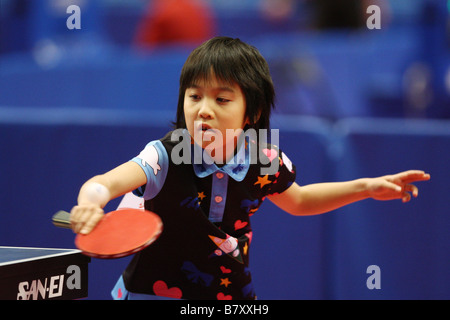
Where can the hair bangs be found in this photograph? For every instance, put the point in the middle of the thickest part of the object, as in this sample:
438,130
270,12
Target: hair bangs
202,68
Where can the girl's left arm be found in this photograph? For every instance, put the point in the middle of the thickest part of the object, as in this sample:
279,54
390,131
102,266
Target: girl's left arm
324,197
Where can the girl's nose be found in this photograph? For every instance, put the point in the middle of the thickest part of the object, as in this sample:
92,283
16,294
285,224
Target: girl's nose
205,111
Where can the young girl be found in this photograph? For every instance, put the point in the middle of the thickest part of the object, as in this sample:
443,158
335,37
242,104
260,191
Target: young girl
205,204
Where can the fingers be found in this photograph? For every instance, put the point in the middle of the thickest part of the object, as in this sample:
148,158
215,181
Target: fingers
91,223
412,188
393,185
406,197
403,192
409,190
403,181
412,175
84,218
389,188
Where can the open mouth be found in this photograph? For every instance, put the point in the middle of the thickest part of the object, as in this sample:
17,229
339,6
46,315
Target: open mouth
204,127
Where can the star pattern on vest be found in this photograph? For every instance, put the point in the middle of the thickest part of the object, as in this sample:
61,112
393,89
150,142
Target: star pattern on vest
201,195
225,282
262,181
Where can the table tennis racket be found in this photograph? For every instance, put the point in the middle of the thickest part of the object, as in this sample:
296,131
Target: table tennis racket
118,234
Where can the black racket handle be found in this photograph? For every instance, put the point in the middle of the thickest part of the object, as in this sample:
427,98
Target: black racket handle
61,219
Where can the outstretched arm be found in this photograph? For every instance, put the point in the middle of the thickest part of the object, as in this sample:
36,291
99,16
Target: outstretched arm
324,197
99,190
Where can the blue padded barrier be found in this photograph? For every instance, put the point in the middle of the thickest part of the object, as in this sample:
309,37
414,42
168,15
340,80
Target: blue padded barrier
331,75
409,242
98,77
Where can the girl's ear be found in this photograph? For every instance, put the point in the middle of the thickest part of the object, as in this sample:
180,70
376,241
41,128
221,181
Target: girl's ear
256,119
248,123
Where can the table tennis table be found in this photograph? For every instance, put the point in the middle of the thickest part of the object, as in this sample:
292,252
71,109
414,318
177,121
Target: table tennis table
43,273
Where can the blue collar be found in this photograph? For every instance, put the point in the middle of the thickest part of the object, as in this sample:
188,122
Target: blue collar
236,168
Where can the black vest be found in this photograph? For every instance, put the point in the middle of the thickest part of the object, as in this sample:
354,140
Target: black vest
194,258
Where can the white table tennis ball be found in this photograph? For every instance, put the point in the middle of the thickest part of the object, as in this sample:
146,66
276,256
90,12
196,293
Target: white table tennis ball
97,193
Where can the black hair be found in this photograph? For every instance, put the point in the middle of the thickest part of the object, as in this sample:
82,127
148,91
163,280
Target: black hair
231,61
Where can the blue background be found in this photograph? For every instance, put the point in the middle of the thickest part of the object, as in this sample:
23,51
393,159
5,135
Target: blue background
74,104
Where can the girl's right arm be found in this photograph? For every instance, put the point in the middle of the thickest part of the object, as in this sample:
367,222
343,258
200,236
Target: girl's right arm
99,190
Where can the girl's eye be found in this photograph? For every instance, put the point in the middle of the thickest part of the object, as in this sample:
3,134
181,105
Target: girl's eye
195,97
222,100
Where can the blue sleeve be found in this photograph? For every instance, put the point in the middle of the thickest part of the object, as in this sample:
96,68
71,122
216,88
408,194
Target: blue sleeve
155,163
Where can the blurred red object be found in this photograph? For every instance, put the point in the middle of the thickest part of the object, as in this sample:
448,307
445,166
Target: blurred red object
176,21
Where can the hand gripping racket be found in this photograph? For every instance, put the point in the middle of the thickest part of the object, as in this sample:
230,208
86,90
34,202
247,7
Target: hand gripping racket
118,234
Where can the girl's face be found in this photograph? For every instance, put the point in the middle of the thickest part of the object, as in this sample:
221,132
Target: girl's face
211,107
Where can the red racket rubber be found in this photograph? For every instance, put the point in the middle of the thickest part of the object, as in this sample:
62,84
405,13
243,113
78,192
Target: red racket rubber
120,233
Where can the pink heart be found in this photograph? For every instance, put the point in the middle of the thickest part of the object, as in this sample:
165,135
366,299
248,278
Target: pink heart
239,224
219,175
160,289
270,153
225,270
249,236
119,293
221,296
